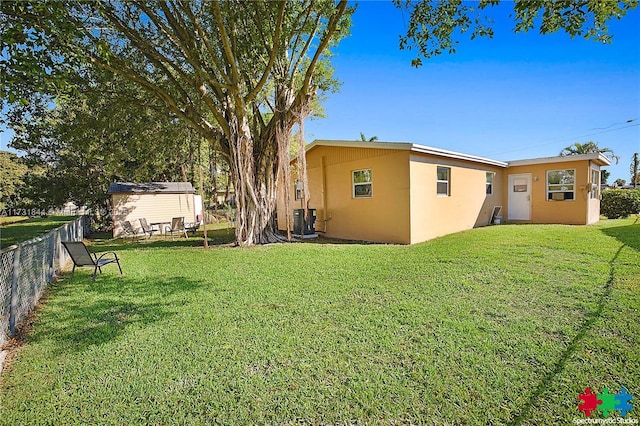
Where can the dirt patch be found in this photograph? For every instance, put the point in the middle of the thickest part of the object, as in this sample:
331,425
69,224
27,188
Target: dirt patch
12,346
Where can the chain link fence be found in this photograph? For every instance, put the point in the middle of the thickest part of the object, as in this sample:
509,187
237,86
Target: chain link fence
26,269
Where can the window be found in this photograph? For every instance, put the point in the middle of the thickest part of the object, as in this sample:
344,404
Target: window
362,184
520,184
595,184
443,181
561,185
490,183
298,190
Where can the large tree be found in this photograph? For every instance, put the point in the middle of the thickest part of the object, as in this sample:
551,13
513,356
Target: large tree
241,74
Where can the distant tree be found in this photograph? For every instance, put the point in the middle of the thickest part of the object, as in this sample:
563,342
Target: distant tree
589,148
635,170
12,171
434,25
81,145
620,182
604,176
363,138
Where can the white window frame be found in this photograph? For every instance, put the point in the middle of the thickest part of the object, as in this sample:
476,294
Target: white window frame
298,190
561,190
355,184
594,193
489,184
445,181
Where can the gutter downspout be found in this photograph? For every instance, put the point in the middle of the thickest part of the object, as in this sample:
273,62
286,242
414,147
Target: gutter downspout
326,218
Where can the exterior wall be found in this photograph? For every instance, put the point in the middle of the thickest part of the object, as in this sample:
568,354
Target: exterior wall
405,207
153,207
382,218
467,205
579,211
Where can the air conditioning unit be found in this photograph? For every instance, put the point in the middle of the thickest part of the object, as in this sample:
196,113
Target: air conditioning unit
302,226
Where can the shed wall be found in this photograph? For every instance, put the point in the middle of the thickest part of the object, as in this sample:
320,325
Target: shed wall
153,207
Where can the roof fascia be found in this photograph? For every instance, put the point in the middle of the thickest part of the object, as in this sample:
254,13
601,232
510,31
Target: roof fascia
406,146
596,157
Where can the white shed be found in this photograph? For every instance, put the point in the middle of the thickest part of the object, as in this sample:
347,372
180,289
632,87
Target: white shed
158,202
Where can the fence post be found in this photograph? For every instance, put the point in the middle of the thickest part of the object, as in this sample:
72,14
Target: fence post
52,254
14,290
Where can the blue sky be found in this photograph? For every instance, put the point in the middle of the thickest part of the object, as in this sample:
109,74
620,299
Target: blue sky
511,97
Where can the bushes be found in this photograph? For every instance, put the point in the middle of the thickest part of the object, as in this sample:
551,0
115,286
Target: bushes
617,203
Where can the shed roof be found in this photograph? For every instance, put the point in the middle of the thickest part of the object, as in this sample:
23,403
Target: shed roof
151,188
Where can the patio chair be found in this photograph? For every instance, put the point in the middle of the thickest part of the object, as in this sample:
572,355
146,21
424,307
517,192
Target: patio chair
177,225
81,256
193,227
148,230
129,230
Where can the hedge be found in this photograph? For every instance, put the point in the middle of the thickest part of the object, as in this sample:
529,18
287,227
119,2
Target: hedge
617,203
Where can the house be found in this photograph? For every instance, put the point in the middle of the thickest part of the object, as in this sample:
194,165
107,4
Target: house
406,193
158,202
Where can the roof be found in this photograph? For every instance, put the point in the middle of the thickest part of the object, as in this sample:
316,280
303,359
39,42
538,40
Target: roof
597,157
407,146
151,188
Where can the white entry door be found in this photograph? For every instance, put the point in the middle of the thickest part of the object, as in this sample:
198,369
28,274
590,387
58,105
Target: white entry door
520,197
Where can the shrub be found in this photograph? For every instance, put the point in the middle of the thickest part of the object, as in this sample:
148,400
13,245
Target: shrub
617,203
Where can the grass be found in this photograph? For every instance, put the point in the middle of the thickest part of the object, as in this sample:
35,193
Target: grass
12,232
5,220
498,325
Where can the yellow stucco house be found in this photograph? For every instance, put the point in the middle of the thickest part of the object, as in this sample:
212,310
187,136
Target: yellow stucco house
407,193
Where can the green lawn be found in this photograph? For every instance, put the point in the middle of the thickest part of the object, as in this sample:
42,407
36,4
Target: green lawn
19,231
5,220
498,325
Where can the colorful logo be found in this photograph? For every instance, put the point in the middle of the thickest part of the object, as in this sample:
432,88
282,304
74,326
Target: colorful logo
605,402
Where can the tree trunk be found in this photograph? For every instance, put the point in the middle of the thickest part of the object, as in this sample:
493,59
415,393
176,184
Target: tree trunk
255,184
213,167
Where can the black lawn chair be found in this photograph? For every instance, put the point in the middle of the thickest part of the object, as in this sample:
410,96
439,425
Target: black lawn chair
81,256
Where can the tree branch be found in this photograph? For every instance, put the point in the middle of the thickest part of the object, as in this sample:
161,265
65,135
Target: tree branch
226,43
272,58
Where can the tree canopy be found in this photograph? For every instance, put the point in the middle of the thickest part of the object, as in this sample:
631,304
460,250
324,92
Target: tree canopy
589,148
12,171
363,138
435,26
82,145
